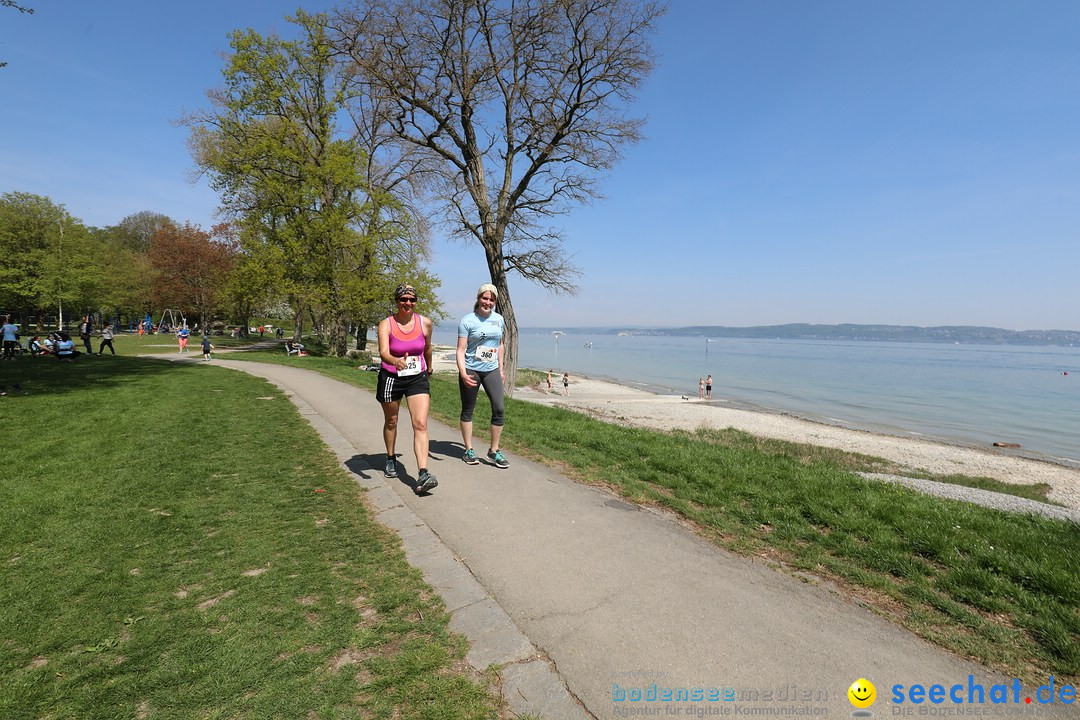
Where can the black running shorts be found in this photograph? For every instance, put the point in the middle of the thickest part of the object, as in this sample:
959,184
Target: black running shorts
392,388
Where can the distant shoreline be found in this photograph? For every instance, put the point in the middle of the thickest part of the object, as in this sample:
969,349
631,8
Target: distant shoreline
948,334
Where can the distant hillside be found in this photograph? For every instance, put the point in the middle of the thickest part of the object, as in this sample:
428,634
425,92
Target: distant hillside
964,334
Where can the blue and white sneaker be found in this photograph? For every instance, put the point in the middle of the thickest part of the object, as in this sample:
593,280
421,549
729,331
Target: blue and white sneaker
425,482
497,458
469,457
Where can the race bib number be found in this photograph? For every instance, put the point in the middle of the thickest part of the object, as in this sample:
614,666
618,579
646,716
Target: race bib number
412,366
487,354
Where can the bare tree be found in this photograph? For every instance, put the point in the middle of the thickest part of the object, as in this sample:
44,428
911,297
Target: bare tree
517,105
20,8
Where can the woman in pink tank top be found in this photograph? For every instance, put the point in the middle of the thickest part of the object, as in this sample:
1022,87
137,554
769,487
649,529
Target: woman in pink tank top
405,351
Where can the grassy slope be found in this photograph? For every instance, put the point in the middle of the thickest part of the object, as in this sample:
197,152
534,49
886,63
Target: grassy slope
174,546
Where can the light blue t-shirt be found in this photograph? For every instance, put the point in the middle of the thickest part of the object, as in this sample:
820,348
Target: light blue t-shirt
482,345
9,332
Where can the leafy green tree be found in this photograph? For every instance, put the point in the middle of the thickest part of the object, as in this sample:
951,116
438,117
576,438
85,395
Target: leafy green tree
518,107
293,178
251,283
51,260
29,227
135,231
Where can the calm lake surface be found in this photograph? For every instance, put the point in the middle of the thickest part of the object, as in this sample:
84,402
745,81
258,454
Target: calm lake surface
966,394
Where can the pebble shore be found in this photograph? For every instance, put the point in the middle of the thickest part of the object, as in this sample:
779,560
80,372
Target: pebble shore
630,406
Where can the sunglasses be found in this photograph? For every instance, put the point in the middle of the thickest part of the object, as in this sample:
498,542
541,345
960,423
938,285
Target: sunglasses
406,300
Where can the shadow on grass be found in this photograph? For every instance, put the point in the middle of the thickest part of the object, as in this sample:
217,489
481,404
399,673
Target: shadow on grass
49,376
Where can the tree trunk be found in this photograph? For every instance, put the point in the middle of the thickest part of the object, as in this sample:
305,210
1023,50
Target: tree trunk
505,308
298,325
336,339
510,344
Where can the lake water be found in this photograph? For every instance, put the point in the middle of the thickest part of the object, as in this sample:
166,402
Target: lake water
967,394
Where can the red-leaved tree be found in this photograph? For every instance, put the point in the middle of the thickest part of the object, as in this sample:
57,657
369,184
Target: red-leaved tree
191,268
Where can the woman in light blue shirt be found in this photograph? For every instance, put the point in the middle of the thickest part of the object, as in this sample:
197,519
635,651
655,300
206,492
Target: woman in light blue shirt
479,362
11,339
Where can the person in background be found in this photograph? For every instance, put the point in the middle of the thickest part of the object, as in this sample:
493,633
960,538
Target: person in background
86,329
708,388
65,348
11,338
566,383
479,363
37,347
182,336
405,351
206,348
701,388
106,339
549,380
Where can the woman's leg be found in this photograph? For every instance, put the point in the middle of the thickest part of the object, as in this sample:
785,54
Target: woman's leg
418,414
468,404
493,386
389,430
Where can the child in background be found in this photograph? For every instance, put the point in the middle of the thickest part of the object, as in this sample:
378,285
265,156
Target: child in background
106,339
206,347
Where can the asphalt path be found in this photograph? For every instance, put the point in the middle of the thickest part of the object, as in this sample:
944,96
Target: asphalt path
586,602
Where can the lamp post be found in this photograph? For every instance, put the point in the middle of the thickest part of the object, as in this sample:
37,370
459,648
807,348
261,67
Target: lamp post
706,356
59,274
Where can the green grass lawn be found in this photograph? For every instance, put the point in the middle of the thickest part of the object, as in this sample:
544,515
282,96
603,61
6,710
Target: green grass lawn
175,542
163,344
998,587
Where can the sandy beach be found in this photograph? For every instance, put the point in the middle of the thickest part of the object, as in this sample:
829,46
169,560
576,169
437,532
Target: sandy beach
627,405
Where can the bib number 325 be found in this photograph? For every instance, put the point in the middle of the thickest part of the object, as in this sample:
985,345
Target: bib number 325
412,366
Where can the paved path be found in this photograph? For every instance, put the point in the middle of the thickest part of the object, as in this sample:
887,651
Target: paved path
581,596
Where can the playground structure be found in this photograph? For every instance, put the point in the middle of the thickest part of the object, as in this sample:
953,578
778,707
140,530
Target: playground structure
172,321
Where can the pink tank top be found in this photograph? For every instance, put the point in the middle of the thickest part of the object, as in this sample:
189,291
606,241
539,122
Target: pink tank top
411,343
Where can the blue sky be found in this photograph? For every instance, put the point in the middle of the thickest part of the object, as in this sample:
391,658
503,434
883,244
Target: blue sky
806,161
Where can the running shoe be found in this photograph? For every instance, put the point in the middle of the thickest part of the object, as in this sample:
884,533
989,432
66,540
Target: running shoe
470,457
497,458
391,468
425,482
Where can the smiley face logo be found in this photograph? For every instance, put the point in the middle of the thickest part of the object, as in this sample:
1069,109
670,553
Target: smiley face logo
862,693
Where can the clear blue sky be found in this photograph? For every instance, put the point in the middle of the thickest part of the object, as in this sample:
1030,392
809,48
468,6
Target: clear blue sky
817,161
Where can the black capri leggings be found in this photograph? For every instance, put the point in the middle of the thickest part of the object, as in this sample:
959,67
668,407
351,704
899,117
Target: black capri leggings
493,386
